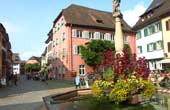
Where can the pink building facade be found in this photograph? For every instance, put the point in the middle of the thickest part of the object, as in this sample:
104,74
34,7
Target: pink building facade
70,31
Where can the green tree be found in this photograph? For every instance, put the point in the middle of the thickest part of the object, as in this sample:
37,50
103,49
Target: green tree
32,67
93,52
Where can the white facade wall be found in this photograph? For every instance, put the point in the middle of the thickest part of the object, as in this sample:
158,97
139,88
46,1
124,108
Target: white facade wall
152,57
16,68
147,40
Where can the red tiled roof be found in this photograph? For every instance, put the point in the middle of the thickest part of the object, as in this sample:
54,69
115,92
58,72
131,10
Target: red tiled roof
84,16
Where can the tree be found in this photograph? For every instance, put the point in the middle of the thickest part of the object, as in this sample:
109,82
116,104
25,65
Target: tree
32,67
93,52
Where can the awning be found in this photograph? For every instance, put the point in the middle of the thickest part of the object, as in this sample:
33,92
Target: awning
164,61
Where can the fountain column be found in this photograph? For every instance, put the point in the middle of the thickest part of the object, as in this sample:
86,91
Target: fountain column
119,44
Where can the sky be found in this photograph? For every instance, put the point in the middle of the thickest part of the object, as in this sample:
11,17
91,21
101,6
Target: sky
28,21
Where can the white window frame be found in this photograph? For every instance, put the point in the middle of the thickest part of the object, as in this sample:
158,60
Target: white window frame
76,50
97,35
91,35
82,69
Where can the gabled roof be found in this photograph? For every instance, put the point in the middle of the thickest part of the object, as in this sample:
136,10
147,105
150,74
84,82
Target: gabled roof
83,16
2,29
158,9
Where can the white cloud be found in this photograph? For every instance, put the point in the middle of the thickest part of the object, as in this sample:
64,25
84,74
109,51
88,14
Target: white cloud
132,16
11,27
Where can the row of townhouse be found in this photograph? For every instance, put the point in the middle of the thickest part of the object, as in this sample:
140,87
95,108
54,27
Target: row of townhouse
153,35
74,26
5,56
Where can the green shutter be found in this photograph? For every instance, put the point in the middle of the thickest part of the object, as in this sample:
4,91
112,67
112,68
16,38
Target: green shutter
154,46
140,34
160,26
140,49
162,45
147,47
153,28
145,32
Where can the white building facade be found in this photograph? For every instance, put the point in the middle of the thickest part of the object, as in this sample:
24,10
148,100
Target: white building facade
149,42
16,68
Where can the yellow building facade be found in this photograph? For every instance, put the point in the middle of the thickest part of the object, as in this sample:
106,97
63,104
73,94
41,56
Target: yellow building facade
166,36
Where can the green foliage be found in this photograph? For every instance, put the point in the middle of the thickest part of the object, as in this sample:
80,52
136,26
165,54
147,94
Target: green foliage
167,70
92,54
99,87
120,92
32,67
148,88
108,75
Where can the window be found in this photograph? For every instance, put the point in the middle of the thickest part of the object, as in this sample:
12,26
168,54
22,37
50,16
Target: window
112,37
97,35
107,36
79,34
138,35
53,43
56,42
145,32
159,45
63,53
82,70
126,38
168,46
102,35
168,25
86,34
139,49
76,50
150,30
91,35
151,47
63,36
62,21
157,27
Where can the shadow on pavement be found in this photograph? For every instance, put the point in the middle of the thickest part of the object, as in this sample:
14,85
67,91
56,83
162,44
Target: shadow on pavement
25,106
25,86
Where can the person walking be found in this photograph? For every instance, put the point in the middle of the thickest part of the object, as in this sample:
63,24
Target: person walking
86,79
77,81
15,79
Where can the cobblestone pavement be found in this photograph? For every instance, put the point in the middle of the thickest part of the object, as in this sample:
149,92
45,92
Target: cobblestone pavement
27,95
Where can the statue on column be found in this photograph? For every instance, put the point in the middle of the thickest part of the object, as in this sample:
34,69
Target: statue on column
116,5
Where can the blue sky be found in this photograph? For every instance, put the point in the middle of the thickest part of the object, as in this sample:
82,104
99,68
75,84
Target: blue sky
28,21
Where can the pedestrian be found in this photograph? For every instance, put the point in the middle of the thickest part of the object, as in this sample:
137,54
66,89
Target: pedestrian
86,79
77,81
46,77
15,79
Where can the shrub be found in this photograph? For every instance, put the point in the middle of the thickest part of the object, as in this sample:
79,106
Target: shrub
108,75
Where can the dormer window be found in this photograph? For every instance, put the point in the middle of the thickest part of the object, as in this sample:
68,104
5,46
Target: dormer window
99,21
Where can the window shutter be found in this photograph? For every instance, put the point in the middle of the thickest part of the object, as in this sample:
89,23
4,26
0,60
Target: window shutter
140,49
74,49
162,45
145,32
154,46
147,47
168,46
153,28
74,33
160,26
87,34
167,25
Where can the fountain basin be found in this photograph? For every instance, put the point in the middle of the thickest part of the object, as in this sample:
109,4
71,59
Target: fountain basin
67,100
